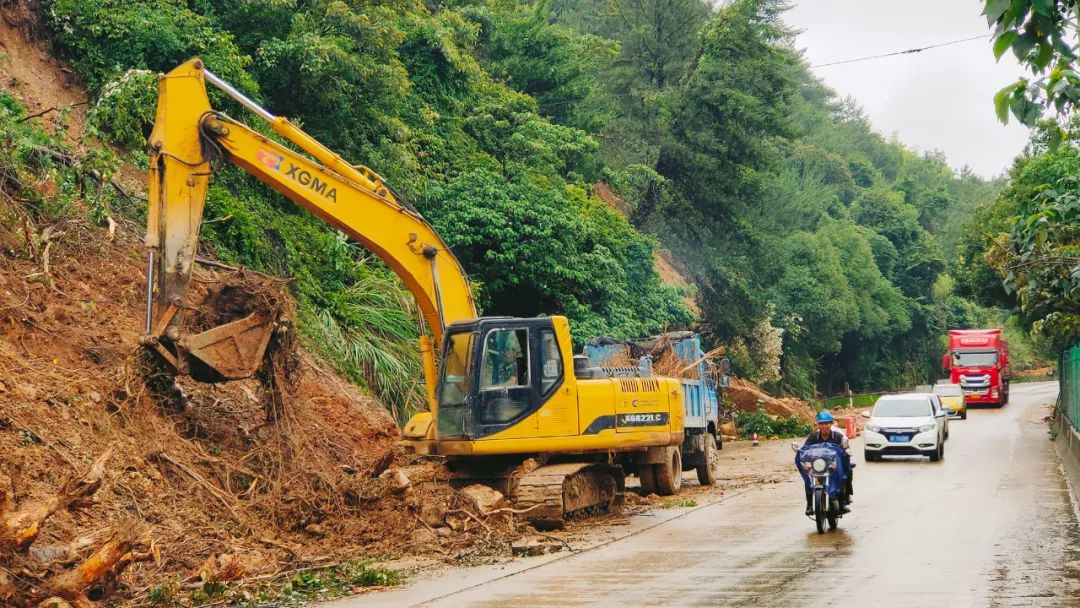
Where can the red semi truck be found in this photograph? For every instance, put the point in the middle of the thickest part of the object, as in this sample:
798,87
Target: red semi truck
978,360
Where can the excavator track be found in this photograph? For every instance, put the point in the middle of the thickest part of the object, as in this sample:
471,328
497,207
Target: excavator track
552,493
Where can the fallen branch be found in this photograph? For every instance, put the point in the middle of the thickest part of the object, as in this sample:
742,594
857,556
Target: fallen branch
472,516
510,510
109,560
53,109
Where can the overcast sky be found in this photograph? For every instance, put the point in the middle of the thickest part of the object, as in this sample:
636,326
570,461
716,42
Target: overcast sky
938,99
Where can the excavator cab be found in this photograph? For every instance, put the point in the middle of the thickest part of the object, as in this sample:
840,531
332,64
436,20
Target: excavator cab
496,372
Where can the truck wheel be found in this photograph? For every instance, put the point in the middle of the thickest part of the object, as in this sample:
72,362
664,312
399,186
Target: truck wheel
708,471
669,476
647,477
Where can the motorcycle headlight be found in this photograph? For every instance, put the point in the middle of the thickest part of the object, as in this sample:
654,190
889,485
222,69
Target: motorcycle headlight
820,465
873,428
926,427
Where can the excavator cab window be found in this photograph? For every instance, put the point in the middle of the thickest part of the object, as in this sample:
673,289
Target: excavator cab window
551,364
505,382
505,360
454,384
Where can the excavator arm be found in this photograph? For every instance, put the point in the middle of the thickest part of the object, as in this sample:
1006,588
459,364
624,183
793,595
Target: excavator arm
188,134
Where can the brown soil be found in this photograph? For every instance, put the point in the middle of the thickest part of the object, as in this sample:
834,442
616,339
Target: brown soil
31,73
748,397
604,193
206,469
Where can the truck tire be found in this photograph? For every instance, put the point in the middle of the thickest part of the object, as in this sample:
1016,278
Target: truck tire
708,471
669,476
647,477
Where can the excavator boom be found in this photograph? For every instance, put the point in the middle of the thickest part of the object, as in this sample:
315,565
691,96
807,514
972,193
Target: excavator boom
188,135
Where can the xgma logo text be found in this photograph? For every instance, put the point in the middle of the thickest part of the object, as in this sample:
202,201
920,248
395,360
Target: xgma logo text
300,175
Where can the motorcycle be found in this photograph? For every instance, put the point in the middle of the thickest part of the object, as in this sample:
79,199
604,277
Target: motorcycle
824,473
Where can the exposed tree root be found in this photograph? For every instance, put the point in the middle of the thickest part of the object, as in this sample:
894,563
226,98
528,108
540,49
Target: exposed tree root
20,528
47,577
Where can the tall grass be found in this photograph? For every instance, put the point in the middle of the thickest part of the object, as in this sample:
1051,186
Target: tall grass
371,336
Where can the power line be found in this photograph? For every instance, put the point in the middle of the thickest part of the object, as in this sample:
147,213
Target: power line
543,106
907,52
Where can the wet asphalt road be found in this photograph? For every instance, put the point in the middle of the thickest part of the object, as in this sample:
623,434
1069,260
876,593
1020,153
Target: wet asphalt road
990,525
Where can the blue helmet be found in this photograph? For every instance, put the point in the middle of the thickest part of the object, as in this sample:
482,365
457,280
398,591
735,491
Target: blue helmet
824,416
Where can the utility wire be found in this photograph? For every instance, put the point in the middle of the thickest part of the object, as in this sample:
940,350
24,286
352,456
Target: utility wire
907,52
552,104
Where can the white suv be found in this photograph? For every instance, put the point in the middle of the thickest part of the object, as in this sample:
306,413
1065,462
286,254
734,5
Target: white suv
908,424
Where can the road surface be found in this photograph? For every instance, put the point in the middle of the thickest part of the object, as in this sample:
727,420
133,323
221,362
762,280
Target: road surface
990,525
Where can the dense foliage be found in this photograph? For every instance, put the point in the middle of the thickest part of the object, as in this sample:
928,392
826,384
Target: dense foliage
819,250
1030,240
1023,250
402,89
801,224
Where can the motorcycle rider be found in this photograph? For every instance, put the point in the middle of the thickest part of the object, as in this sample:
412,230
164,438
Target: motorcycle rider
826,433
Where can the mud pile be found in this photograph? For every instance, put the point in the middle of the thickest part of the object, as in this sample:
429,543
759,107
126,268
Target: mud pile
224,481
748,397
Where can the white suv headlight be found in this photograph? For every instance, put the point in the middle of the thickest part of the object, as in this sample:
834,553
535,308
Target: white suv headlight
873,428
927,427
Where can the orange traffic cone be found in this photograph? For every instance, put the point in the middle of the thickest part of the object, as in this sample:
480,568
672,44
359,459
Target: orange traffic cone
754,440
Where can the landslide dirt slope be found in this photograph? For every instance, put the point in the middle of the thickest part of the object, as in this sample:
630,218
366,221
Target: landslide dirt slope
225,481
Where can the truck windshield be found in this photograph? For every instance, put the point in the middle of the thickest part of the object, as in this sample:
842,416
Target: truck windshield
985,358
902,408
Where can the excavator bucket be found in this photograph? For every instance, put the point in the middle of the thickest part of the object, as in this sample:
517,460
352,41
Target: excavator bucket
234,350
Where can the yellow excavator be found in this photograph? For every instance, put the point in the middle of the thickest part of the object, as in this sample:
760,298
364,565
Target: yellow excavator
510,405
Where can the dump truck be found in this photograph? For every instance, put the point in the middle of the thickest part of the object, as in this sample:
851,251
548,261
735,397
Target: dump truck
701,381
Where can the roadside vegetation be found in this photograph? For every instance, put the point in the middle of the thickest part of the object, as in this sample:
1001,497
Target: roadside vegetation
1021,251
767,426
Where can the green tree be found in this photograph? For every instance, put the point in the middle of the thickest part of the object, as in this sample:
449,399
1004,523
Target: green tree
548,61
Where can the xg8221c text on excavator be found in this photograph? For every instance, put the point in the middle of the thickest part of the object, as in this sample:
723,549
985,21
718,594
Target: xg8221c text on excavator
508,406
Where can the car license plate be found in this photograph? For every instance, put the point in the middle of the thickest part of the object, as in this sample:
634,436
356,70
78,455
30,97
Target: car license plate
898,438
